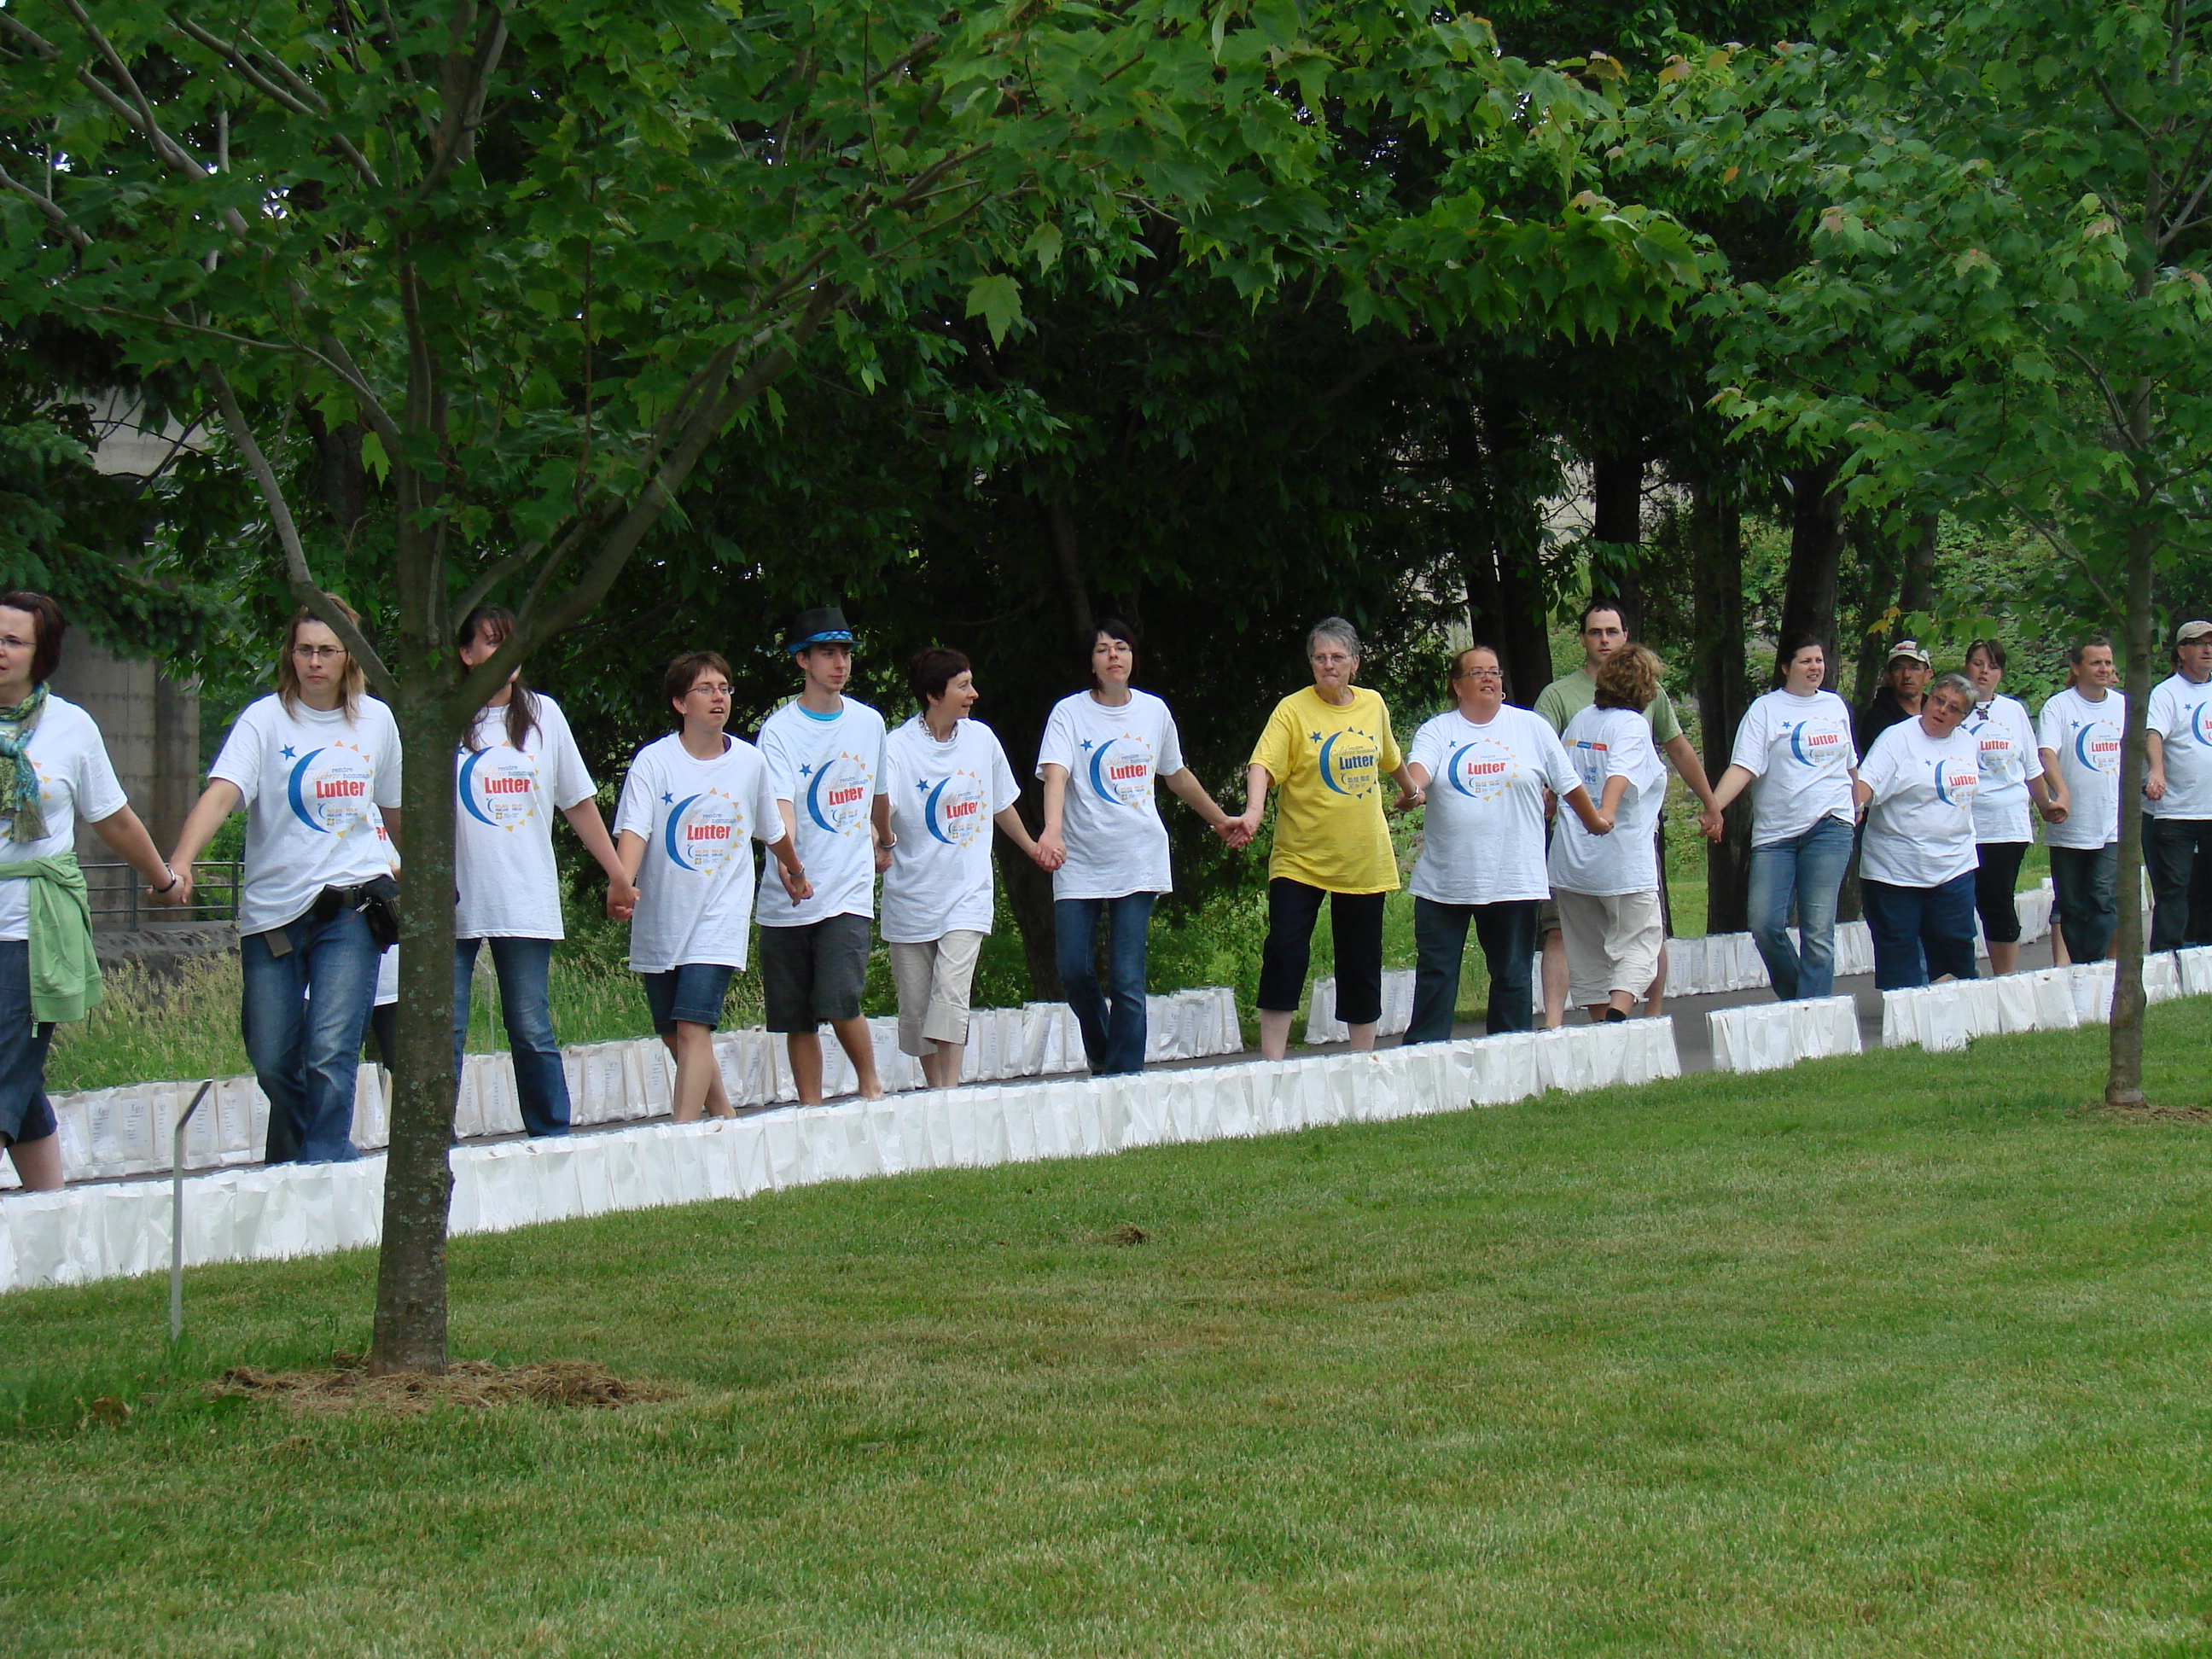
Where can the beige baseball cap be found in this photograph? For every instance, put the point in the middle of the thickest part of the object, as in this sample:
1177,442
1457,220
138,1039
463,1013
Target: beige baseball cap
2192,631
1911,648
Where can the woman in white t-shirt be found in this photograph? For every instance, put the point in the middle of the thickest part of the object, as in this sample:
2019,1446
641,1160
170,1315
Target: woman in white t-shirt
1607,884
1795,745
948,782
1104,843
1485,769
2012,775
1916,860
692,804
54,770
517,765
316,768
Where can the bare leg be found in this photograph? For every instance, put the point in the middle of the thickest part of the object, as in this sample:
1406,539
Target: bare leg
37,1163
1657,993
860,1047
2059,956
2004,958
1275,1033
940,1067
1363,1038
698,1079
1623,1002
804,1049
1555,980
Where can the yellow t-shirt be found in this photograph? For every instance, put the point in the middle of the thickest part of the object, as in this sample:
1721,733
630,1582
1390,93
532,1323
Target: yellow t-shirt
1330,765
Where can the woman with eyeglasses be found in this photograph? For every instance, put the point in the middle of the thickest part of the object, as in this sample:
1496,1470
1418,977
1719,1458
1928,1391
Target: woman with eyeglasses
2012,775
54,770
1485,769
1917,861
1329,748
316,768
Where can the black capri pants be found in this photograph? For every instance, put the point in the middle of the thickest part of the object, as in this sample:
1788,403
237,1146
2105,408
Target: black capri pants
1993,890
1355,923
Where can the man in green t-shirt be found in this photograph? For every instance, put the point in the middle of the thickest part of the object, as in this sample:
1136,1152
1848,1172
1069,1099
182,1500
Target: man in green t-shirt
1603,633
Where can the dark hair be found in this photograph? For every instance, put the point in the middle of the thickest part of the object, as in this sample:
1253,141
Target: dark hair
522,702
1596,604
684,672
1789,644
2099,637
351,683
1629,678
1114,628
933,668
48,624
1990,649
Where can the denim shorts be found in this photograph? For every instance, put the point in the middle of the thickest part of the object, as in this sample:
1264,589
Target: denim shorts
690,995
25,1113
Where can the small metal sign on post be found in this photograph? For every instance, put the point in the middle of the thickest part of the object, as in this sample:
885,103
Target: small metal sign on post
176,1213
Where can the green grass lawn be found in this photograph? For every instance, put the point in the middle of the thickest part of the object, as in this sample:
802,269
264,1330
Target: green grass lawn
1899,1355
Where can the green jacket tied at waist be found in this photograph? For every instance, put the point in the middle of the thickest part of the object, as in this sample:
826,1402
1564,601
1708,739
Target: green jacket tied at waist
64,973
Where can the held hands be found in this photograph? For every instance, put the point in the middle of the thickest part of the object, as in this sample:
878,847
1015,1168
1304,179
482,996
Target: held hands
1236,832
1051,849
621,901
1408,799
883,857
1604,822
2155,784
1711,824
2053,811
795,883
179,894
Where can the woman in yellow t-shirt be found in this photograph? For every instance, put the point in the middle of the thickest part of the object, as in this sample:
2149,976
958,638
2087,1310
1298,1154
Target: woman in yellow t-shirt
1329,748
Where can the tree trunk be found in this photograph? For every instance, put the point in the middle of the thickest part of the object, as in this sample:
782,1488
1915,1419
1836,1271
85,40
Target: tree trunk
1029,895
1916,592
2123,1077
1067,560
418,1178
1816,555
1503,556
1617,529
1723,694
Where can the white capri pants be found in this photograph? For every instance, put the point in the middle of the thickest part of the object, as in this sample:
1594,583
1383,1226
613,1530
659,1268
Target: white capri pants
1612,942
933,980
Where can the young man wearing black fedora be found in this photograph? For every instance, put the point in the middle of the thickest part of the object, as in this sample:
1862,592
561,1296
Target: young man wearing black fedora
825,762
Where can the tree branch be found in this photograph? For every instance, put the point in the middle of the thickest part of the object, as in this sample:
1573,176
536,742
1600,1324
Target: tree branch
48,206
306,101
463,91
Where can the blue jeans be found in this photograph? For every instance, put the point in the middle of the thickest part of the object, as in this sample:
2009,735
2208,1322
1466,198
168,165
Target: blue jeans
302,1015
2081,902
1804,870
1507,933
523,966
1113,1022
1920,934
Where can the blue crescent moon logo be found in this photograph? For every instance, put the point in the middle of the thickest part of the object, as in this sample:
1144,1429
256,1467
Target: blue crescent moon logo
1941,793
2198,723
1797,748
292,789
2081,747
929,812
1328,772
1098,759
675,818
468,791
1451,770
813,806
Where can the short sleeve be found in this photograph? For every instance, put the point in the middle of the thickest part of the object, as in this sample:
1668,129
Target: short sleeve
1058,746
1752,739
1552,756
1879,769
768,821
572,783
776,761
1274,750
1429,749
1392,757
99,791
1004,791
239,761
1626,743
633,812
388,761
2163,714
2033,761
883,759
1170,760
2050,728
1666,725
1549,711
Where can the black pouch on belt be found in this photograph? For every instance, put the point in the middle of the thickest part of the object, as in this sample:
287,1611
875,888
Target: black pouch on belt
380,908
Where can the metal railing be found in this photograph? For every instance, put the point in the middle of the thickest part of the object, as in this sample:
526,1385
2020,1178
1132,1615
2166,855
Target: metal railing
117,898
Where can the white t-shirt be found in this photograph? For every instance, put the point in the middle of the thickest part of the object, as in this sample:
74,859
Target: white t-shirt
699,820
1110,816
1799,748
830,769
1482,840
2181,714
2086,737
2005,738
1603,744
314,783
1920,819
75,780
943,796
503,865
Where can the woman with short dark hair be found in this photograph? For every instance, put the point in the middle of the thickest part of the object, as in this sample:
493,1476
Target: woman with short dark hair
1916,862
2012,775
54,770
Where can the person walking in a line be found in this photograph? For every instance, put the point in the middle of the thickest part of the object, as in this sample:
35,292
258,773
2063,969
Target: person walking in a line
2178,794
1605,877
2012,776
1917,864
2080,734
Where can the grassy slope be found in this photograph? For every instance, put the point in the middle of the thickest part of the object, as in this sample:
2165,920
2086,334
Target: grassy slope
1902,1355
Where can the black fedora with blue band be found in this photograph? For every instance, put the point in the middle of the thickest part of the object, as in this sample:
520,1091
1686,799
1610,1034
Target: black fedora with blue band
823,625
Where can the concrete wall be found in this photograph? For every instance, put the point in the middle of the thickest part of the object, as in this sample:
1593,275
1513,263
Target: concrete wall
152,726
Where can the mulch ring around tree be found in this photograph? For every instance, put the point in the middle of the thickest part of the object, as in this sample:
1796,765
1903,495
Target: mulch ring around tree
348,1387
2149,1112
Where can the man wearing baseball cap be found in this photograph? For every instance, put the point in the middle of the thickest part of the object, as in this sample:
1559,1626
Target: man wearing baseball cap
1903,678
2178,795
826,763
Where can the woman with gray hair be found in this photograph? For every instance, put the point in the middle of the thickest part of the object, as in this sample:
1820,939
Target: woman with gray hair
1328,747
1918,861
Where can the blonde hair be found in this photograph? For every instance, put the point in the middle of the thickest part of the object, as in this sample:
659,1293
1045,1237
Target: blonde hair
351,684
1629,678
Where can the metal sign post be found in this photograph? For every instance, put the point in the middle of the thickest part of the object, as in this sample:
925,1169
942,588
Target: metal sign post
177,1214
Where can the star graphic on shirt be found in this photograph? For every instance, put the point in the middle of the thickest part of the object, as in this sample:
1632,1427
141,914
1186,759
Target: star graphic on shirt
289,753
805,771
922,784
1313,737
667,800
1086,746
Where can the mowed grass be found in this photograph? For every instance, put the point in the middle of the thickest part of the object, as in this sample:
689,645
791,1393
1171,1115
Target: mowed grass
1901,1355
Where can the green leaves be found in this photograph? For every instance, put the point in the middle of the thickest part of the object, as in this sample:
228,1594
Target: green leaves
997,298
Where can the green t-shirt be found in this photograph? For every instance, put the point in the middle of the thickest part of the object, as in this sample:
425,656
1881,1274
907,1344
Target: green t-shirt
1565,698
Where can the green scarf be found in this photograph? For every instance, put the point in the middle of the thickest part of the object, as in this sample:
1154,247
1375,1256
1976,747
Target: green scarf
19,779
64,972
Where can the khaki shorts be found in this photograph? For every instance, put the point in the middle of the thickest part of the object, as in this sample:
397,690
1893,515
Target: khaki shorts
933,981
1612,942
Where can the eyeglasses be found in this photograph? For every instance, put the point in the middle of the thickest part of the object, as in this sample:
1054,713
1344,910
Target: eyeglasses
1480,674
1332,659
10,642
317,653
